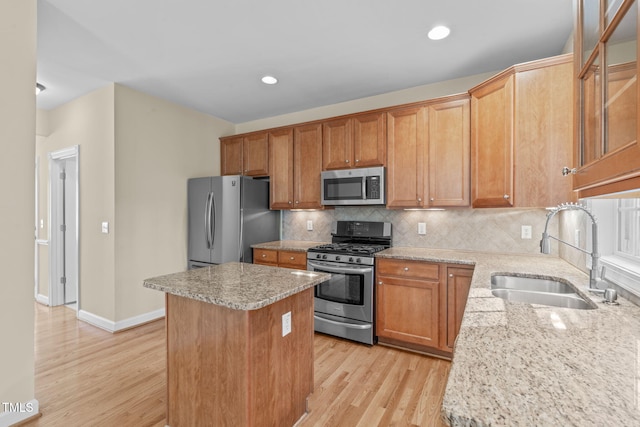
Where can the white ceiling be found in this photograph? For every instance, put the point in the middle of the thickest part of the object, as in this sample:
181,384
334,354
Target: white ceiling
209,55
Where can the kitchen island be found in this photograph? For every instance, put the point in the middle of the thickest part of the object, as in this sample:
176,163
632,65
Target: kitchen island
239,344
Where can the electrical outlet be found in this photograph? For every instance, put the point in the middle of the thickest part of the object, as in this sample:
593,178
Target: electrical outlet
309,225
105,227
422,228
286,323
525,232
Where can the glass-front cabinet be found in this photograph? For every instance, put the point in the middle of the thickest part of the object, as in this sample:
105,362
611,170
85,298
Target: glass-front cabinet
607,149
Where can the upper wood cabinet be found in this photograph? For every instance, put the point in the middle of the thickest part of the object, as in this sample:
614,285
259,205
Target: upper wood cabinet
354,142
406,141
607,151
281,168
295,159
521,136
248,155
231,156
448,141
428,154
307,166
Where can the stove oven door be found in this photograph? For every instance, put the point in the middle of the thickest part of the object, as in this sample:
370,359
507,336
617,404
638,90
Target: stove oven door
349,292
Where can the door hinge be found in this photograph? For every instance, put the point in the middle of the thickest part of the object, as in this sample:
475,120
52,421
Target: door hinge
63,175
63,227
63,280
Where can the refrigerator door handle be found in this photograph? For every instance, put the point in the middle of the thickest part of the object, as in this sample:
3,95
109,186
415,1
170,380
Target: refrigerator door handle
212,219
207,220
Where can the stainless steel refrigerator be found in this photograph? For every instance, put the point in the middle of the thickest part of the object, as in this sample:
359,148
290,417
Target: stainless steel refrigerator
228,214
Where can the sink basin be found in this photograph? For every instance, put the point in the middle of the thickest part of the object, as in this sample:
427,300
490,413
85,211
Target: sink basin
534,290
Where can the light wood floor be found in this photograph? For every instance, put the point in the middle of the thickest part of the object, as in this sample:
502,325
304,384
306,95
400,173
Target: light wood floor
89,377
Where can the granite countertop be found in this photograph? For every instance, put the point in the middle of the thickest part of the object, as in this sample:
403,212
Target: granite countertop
236,285
288,245
518,364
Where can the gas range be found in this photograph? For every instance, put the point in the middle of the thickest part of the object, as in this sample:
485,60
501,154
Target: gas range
354,253
354,242
344,305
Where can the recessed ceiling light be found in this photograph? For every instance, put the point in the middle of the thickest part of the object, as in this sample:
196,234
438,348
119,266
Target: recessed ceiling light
39,88
269,80
439,32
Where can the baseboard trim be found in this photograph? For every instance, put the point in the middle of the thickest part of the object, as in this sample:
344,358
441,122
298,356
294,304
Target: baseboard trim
111,326
14,418
42,299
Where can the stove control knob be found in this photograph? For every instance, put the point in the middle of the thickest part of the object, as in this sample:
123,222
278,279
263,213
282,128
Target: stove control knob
337,258
350,259
318,256
358,260
324,257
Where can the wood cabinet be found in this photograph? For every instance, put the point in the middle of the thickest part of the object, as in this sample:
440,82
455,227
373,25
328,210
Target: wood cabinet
307,166
247,155
520,136
280,258
231,156
405,157
295,161
281,168
419,305
458,284
428,154
354,141
607,151
448,164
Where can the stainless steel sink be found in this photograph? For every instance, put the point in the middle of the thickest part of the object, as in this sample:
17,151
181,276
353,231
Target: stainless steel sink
534,290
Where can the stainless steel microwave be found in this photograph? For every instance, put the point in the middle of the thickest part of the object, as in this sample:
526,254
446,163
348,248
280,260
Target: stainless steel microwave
365,186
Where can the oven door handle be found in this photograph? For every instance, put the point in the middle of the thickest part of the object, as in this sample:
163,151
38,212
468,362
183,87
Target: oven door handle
346,325
338,270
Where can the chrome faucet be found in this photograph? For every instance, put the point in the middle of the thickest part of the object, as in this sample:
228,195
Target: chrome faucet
545,246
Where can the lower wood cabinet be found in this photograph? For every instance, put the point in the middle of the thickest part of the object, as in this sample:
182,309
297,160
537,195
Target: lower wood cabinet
419,305
280,258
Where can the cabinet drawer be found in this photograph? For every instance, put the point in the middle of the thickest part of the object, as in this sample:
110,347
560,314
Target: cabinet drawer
292,259
265,256
413,269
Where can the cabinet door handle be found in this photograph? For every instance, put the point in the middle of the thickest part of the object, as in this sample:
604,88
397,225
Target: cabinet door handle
380,282
289,201
419,199
406,269
357,161
506,196
264,255
346,161
432,199
292,258
450,274
297,202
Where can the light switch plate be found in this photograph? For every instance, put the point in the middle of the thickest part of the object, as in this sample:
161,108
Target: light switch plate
286,324
105,227
525,232
309,225
422,228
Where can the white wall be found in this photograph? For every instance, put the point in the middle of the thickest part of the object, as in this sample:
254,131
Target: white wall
17,139
159,145
415,94
136,154
88,122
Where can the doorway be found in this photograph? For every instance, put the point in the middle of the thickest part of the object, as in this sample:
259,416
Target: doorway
64,228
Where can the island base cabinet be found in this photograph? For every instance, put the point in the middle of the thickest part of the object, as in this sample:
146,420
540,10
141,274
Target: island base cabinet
235,368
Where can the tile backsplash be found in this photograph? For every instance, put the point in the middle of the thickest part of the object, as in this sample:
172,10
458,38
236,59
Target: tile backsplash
493,230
